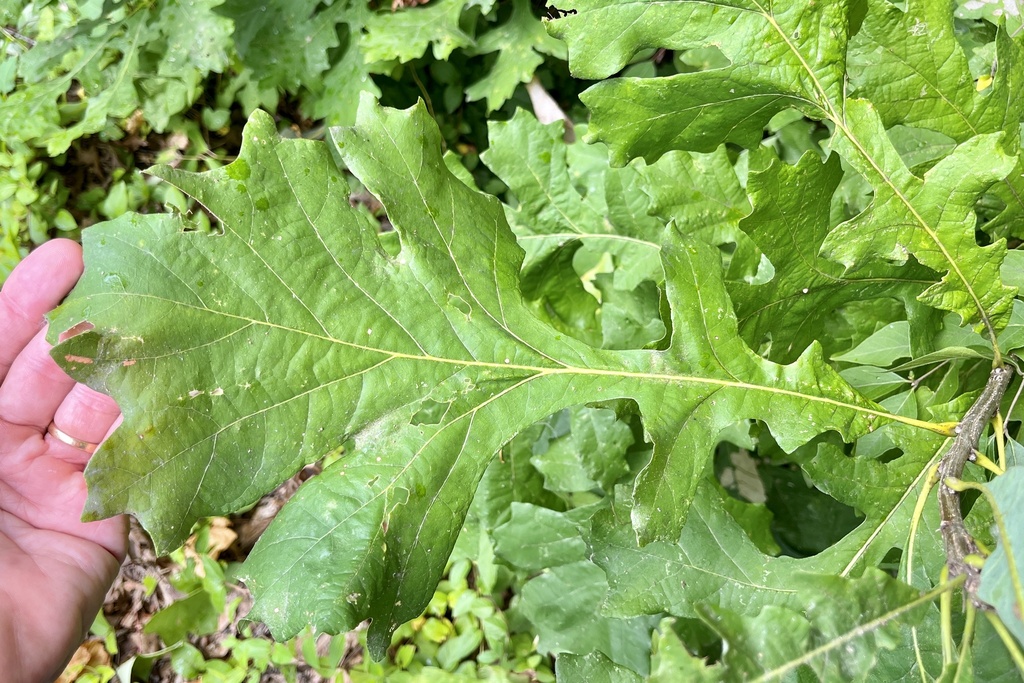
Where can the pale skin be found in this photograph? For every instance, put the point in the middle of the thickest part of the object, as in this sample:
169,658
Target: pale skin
54,569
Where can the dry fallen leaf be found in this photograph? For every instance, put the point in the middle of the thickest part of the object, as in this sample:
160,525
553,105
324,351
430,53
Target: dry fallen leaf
89,655
220,537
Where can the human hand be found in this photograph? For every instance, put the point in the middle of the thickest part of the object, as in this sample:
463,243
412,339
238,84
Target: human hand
54,569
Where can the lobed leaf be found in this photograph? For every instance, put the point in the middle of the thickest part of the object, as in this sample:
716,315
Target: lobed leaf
240,356
550,212
909,64
930,217
829,640
407,33
793,54
782,54
520,43
790,221
286,44
101,56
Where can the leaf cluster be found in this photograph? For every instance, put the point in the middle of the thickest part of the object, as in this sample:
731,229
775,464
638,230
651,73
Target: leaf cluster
646,383
132,72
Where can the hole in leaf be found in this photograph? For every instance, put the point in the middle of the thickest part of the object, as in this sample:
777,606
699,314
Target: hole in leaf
430,413
200,219
458,302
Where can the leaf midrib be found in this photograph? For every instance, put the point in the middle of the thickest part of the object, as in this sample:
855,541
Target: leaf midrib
541,371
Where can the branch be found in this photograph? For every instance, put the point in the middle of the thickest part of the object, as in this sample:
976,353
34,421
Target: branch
957,541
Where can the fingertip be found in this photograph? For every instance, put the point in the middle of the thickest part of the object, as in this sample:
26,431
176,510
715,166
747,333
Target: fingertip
44,278
60,253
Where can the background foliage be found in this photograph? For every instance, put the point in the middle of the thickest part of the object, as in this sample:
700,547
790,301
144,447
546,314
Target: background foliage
857,169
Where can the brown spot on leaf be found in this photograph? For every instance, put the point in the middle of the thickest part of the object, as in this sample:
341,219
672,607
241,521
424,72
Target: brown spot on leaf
128,363
78,359
76,330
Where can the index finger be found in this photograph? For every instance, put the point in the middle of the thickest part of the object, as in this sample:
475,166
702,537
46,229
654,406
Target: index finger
33,289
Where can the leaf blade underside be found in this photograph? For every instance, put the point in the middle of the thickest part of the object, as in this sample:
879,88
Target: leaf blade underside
241,356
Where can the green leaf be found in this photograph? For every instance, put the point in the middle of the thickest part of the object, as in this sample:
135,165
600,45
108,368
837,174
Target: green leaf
702,195
829,640
1001,584
559,606
558,296
214,315
991,660
405,34
713,562
536,538
334,96
883,348
119,62
593,668
1010,192
871,381
916,661
909,64
784,55
285,43
930,217
806,521
520,43
700,192
920,146
951,341
509,479
603,36
670,660
789,223
884,492
755,520
592,456
192,615
792,54
456,649
629,320
642,117
533,160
